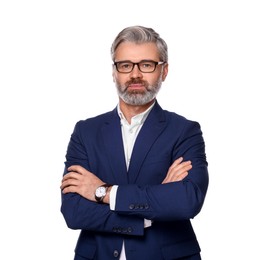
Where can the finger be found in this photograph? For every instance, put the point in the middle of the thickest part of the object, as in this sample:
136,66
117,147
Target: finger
176,162
182,176
185,166
186,163
177,172
76,168
69,182
71,175
70,189
173,168
177,177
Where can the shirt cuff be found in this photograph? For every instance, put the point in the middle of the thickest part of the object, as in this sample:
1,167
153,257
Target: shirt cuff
147,223
112,196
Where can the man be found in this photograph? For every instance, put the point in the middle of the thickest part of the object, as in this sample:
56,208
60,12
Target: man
135,176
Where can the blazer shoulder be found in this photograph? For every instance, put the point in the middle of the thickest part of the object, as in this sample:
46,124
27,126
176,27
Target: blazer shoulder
105,117
180,124
174,119
96,123
177,118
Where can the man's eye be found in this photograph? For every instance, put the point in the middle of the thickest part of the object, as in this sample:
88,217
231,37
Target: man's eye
146,65
125,65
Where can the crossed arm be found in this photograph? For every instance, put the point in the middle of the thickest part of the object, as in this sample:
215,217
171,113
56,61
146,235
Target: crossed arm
81,181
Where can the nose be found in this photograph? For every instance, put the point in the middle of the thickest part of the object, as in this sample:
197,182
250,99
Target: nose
135,73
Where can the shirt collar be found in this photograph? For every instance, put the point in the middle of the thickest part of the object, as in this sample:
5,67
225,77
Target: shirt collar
137,119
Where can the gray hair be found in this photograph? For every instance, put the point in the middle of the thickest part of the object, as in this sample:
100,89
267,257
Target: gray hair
140,34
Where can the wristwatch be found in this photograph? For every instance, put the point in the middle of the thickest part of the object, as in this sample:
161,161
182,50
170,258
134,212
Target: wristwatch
100,192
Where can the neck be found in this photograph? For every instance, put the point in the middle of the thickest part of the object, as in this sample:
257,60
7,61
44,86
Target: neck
130,111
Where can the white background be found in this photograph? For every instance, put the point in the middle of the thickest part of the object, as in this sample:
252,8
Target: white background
55,69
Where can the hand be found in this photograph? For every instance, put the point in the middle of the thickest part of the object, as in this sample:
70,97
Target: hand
81,181
177,171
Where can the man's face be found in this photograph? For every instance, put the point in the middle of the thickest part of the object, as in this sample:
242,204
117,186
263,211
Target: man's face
136,87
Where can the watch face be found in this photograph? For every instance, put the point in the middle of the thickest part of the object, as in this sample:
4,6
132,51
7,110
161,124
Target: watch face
100,192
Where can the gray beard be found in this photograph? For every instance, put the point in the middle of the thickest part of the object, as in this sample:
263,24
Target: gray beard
139,98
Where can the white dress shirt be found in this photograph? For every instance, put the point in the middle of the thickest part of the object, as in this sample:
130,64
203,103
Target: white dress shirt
129,135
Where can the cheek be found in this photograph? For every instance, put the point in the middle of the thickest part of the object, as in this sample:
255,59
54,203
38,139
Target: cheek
155,80
120,79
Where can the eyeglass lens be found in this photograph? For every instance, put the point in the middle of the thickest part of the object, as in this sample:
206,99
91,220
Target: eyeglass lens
143,66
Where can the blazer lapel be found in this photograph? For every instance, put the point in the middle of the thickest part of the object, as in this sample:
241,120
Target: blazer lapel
112,138
154,124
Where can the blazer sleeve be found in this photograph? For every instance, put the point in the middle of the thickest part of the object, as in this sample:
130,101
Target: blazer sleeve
173,201
80,213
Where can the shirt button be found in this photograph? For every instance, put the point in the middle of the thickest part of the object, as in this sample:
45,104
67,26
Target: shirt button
116,254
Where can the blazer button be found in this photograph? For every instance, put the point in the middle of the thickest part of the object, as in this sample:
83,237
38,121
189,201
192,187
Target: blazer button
116,254
132,206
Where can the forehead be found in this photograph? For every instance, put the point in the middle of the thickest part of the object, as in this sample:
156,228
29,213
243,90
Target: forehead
136,52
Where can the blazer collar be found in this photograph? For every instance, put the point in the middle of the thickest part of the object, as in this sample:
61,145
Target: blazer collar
112,136
151,129
113,145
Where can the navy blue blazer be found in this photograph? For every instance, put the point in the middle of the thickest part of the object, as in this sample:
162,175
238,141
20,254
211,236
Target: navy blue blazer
96,144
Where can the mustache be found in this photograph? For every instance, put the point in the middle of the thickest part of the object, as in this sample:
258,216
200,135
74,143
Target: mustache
136,81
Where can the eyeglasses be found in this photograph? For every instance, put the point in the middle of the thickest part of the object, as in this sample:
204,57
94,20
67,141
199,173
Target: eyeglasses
145,66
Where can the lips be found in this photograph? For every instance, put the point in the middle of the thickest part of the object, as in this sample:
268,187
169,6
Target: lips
136,86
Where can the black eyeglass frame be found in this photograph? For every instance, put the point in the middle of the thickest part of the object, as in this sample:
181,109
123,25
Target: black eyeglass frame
137,63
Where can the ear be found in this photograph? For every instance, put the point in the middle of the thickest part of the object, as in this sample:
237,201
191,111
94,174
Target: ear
113,74
165,71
